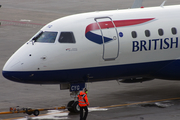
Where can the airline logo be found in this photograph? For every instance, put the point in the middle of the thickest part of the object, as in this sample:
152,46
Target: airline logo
155,44
96,38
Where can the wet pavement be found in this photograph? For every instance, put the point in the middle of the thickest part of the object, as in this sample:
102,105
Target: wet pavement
20,20
166,110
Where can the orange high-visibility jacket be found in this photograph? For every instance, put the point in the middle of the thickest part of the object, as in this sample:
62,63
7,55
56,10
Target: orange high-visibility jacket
83,100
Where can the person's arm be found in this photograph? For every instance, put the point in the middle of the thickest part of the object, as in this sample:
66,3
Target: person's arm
86,100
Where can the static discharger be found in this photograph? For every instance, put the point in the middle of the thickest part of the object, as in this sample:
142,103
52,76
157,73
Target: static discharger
29,111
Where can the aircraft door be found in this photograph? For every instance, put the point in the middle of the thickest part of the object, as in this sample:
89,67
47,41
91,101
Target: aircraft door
110,39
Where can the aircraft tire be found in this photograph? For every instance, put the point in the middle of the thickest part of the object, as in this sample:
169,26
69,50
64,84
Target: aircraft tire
69,106
76,107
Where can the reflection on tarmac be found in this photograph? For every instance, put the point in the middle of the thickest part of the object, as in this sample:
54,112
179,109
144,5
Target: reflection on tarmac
64,114
57,114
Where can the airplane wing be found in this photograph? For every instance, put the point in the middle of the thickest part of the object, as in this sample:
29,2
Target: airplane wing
137,4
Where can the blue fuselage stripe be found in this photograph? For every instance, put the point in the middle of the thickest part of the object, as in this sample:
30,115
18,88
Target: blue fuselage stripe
88,74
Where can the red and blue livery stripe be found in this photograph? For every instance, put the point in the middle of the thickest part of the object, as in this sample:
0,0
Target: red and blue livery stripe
108,24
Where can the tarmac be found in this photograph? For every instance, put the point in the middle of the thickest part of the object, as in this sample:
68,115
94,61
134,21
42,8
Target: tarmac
20,20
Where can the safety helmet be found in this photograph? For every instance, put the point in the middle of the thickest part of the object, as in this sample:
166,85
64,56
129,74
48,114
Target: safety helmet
85,90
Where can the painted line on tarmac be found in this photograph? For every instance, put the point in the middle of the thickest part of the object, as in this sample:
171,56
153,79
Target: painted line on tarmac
21,22
138,103
13,118
23,111
106,107
50,116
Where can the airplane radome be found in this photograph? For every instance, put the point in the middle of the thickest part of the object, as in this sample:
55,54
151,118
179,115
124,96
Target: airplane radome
132,45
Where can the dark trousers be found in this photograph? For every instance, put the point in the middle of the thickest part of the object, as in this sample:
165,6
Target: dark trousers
83,117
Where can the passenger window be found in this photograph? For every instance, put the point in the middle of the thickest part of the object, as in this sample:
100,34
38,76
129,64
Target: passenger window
147,33
67,37
161,32
46,37
174,31
134,34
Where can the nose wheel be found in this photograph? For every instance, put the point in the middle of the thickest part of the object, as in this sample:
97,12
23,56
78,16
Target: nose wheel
73,106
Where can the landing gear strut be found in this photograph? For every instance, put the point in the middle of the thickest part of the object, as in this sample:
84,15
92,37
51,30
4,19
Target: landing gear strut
73,105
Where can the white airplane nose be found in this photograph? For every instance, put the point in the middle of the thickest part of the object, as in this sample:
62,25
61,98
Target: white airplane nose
13,65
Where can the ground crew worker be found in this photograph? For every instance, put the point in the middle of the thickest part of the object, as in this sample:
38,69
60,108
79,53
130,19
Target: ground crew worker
83,103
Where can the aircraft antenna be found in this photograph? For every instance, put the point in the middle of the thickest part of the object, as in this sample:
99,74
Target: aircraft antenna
162,5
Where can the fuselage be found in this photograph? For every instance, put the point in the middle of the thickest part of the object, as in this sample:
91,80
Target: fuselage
98,46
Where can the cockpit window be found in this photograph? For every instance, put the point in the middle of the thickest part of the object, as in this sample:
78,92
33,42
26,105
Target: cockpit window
46,37
67,37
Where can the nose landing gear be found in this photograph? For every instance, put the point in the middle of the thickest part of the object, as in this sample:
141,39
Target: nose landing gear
73,105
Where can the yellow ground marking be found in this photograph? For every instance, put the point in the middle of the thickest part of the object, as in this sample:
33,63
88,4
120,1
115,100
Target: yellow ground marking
112,106
58,108
22,111
137,103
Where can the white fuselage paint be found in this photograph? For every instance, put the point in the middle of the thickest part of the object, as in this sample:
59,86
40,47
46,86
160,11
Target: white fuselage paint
37,56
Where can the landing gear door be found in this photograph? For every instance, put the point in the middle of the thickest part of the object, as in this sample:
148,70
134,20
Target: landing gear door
110,39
